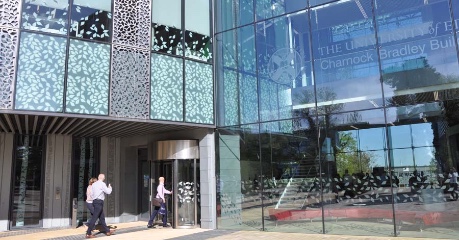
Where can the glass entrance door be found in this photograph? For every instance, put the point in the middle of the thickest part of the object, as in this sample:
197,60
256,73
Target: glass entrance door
27,194
187,194
165,169
182,177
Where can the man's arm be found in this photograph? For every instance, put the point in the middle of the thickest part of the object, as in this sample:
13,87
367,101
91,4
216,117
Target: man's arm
106,189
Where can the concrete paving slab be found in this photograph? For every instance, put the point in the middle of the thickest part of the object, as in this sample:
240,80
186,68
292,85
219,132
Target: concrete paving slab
138,230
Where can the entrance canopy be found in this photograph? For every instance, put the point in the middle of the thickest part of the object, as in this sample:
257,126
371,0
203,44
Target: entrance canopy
82,126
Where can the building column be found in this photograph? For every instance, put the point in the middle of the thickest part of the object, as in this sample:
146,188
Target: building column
57,202
207,181
6,162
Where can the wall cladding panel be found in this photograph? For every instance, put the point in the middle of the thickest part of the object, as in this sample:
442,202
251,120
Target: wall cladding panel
199,93
130,83
8,55
166,88
132,23
41,70
9,13
88,78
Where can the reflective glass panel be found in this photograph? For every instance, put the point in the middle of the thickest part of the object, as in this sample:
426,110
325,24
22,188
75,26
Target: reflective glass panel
45,15
418,51
233,13
198,43
284,76
248,89
272,8
167,26
291,176
356,186
228,78
345,57
91,19
239,179
426,169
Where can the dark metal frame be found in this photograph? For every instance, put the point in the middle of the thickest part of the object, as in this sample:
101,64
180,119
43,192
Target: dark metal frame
140,179
42,182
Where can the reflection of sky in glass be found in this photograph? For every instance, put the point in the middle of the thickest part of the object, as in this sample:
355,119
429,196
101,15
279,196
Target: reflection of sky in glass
371,139
424,155
378,159
422,134
402,157
400,136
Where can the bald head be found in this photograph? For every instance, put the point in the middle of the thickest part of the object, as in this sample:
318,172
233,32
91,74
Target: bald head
101,177
161,179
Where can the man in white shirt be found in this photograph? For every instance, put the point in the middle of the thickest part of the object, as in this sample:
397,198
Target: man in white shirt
99,189
160,191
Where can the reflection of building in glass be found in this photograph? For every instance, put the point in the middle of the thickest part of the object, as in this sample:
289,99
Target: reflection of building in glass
316,116
372,112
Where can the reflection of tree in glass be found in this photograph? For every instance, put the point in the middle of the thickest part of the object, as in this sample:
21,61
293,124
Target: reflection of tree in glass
347,156
412,73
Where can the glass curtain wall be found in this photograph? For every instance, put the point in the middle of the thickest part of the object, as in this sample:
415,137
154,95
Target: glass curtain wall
346,111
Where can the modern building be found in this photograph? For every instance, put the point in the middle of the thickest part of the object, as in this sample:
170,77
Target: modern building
316,116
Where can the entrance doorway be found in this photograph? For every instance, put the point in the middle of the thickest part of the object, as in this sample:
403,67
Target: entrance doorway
165,169
182,178
27,194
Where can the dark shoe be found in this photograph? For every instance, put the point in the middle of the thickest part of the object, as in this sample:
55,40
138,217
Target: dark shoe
166,226
90,236
150,226
111,232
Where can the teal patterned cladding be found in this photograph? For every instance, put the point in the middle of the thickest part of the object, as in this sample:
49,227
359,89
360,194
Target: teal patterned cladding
249,98
199,93
268,100
231,98
166,88
41,70
88,78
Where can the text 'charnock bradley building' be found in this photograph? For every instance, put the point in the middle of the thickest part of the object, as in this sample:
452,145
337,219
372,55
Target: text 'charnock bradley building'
342,54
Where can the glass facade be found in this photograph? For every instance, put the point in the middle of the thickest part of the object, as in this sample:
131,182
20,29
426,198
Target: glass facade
338,117
141,59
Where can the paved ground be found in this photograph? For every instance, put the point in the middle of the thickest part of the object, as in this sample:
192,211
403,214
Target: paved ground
138,230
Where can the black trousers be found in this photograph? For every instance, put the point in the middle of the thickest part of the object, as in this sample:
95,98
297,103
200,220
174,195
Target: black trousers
154,213
90,207
98,214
